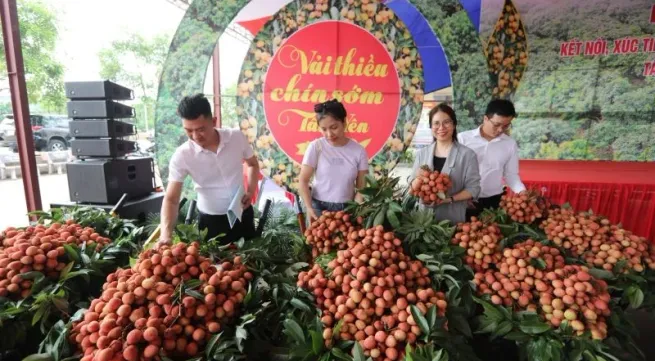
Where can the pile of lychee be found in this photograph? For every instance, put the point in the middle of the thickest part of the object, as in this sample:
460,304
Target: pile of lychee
329,231
599,242
370,287
429,186
532,276
480,240
148,310
525,207
39,248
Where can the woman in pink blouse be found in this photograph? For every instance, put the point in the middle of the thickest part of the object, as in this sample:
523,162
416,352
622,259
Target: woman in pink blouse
337,163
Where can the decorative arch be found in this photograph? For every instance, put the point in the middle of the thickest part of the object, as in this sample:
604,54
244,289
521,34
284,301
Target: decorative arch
205,20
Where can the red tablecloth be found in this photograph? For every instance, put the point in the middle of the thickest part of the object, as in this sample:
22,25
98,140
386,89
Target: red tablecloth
622,191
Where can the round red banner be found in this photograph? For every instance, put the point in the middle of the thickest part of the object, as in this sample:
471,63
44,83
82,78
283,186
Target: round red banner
326,60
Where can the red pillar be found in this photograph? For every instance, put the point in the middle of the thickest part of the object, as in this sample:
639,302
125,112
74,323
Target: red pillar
20,104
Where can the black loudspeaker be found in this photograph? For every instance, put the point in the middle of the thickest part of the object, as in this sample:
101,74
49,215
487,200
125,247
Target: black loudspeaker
97,90
110,148
101,109
100,128
105,181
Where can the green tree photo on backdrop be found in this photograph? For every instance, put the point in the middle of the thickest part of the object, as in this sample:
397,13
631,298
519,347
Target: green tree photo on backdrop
584,107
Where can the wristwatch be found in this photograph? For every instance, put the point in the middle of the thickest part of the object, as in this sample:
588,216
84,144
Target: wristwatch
452,200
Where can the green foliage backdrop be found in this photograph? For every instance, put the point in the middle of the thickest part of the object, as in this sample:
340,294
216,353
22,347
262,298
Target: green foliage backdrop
190,53
147,57
43,72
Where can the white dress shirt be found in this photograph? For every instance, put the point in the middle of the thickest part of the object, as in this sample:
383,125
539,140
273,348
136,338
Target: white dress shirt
497,159
216,176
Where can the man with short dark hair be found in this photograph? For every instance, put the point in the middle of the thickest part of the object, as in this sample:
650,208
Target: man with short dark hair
498,155
213,157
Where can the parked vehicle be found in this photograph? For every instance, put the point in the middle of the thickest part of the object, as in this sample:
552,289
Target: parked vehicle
50,132
8,128
54,135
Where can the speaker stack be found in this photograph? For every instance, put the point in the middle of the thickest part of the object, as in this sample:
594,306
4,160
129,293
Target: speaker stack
104,171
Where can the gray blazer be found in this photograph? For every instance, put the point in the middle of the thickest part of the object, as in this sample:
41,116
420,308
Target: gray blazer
462,167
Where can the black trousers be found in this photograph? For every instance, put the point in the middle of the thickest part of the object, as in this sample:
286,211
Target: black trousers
217,225
482,204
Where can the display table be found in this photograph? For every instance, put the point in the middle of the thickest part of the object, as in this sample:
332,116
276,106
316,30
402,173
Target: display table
622,191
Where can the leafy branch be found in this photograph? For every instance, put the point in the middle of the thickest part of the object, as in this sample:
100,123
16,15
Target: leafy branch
538,341
380,205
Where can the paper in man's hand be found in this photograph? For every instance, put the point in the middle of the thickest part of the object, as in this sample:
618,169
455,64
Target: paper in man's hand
235,211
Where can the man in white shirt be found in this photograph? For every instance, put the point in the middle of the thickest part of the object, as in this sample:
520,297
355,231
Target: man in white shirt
213,157
498,155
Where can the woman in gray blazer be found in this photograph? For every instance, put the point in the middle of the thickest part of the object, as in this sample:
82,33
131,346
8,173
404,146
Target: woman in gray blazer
446,155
